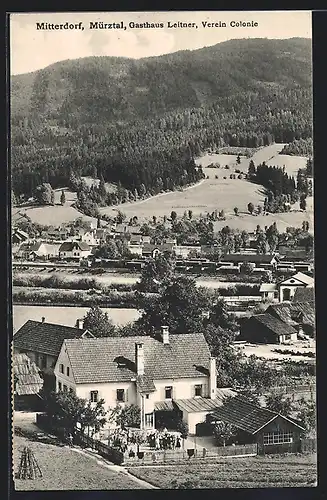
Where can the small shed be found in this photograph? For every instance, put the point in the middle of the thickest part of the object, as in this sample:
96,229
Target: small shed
267,329
27,382
273,433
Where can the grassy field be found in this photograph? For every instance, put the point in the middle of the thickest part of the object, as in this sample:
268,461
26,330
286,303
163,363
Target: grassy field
222,159
250,472
207,196
65,469
283,220
291,163
57,214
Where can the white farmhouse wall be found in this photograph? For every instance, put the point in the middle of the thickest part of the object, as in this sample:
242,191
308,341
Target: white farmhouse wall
291,288
63,378
108,392
183,388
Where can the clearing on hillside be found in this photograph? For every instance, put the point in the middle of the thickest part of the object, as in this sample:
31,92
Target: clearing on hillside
291,163
206,196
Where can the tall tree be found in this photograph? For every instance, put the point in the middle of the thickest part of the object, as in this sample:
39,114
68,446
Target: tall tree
44,194
179,305
62,198
98,323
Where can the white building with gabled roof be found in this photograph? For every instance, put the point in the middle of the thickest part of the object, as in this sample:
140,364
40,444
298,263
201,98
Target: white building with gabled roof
169,373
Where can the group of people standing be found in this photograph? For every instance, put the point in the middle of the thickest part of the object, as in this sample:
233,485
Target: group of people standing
164,440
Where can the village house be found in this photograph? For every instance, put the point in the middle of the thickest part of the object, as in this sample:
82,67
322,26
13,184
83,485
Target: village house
273,433
266,329
288,286
184,251
151,251
74,250
159,374
42,341
19,237
55,234
38,251
269,292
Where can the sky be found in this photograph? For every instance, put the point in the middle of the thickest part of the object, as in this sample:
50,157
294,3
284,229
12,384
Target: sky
32,49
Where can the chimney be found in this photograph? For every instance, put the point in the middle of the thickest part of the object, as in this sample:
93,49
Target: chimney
79,324
139,358
165,334
43,319
213,378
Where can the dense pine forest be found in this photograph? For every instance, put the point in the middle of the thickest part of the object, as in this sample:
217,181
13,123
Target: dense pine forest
141,122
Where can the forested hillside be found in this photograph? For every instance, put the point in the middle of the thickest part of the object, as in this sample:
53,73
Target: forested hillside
142,121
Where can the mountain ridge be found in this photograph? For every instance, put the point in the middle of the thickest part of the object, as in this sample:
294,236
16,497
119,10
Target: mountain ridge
186,78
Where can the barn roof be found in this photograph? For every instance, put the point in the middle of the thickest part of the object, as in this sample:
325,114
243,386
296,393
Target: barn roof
95,360
268,287
68,246
26,375
45,338
240,257
293,312
247,416
304,295
274,324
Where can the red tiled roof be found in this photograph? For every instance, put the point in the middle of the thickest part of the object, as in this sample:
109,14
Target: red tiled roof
95,360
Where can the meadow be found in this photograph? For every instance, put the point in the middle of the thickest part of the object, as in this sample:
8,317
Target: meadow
206,196
221,193
57,214
65,469
251,472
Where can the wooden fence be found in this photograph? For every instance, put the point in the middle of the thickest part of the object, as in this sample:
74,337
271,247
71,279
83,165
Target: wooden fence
199,454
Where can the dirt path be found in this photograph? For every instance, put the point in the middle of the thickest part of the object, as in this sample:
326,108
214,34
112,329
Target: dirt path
116,468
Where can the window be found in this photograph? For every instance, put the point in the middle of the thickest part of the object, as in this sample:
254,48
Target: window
149,420
67,371
61,368
59,386
277,437
65,388
168,392
120,395
94,396
198,390
147,396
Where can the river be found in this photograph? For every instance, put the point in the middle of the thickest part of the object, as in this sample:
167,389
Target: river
67,315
